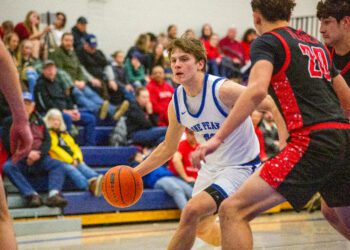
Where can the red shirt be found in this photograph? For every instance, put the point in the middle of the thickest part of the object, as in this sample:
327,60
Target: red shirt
185,150
22,31
160,95
246,49
260,136
212,52
231,48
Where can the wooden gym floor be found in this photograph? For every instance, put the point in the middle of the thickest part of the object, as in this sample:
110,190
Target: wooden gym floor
282,231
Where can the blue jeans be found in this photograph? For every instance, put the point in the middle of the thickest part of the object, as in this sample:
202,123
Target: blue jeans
213,67
89,99
32,76
80,175
18,172
88,121
176,188
152,136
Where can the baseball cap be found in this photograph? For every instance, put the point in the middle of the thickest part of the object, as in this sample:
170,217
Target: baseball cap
82,20
138,55
48,63
27,96
91,40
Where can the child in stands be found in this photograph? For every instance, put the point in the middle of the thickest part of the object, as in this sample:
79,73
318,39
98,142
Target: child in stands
64,148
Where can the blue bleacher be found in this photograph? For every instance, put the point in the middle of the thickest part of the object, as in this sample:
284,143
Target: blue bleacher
102,135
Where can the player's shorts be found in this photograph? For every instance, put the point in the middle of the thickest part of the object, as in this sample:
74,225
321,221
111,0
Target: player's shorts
316,159
223,181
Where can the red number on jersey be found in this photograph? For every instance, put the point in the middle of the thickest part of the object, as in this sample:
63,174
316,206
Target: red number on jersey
318,64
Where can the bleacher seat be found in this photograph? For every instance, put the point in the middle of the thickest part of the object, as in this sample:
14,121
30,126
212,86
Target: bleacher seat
102,135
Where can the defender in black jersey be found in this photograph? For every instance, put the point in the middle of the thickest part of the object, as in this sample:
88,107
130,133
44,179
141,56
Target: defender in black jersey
335,29
297,72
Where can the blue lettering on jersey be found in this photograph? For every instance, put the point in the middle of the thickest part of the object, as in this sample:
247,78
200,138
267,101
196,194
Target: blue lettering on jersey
205,126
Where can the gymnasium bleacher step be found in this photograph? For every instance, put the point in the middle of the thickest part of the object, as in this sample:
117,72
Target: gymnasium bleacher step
47,226
34,212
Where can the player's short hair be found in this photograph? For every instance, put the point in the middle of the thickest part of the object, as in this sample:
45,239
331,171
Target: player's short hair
274,10
191,46
333,8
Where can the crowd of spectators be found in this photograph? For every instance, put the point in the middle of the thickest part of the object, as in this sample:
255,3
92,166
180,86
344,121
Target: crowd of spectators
68,79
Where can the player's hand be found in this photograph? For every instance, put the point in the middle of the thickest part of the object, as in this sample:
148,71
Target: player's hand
204,149
21,140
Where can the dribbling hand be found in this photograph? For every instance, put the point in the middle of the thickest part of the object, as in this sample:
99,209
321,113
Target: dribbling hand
204,149
21,140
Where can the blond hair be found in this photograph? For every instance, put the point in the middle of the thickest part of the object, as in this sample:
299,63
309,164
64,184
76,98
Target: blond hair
55,113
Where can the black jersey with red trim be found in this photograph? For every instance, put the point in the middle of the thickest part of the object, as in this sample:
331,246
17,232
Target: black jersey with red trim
342,63
301,84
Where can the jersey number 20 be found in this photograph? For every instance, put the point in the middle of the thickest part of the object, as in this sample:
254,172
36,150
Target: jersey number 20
318,64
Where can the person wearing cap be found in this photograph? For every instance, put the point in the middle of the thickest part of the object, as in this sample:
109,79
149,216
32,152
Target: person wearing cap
79,32
135,71
49,93
66,59
36,161
102,76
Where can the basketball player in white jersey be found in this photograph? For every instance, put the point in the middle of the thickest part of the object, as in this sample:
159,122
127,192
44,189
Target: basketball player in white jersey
201,103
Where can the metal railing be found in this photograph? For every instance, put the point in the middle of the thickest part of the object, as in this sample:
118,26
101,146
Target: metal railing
309,24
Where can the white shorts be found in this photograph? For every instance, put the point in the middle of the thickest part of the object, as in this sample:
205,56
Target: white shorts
229,178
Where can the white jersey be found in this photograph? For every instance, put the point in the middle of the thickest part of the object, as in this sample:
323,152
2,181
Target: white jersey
239,148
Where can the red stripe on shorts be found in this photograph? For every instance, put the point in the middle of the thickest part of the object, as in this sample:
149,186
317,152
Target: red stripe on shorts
276,169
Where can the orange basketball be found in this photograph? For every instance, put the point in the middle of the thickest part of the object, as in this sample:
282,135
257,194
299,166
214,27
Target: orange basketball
122,186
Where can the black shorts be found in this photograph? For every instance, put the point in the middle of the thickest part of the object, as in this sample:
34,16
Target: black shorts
316,159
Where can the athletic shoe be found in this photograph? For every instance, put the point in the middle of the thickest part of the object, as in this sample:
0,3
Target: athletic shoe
121,110
104,110
34,200
95,186
56,201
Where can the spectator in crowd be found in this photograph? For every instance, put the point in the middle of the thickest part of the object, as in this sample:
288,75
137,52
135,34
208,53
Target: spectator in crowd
64,149
232,48
119,71
248,37
11,42
161,94
79,32
50,93
66,59
270,133
27,66
162,178
189,33
102,77
6,28
257,117
135,71
4,109
29,29
57,28
158,56
213,54
37,161
142,48
180,165
172,32
163,39
206,33
142,122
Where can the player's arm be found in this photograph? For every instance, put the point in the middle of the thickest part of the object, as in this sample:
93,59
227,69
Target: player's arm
229,93
343,92
249,99
20,135
167,148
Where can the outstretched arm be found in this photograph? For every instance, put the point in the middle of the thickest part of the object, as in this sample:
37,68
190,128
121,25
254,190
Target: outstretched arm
167,148
20,135
246,103
343,92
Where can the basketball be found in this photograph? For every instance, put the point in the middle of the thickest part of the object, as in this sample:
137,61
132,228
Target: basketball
122,186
